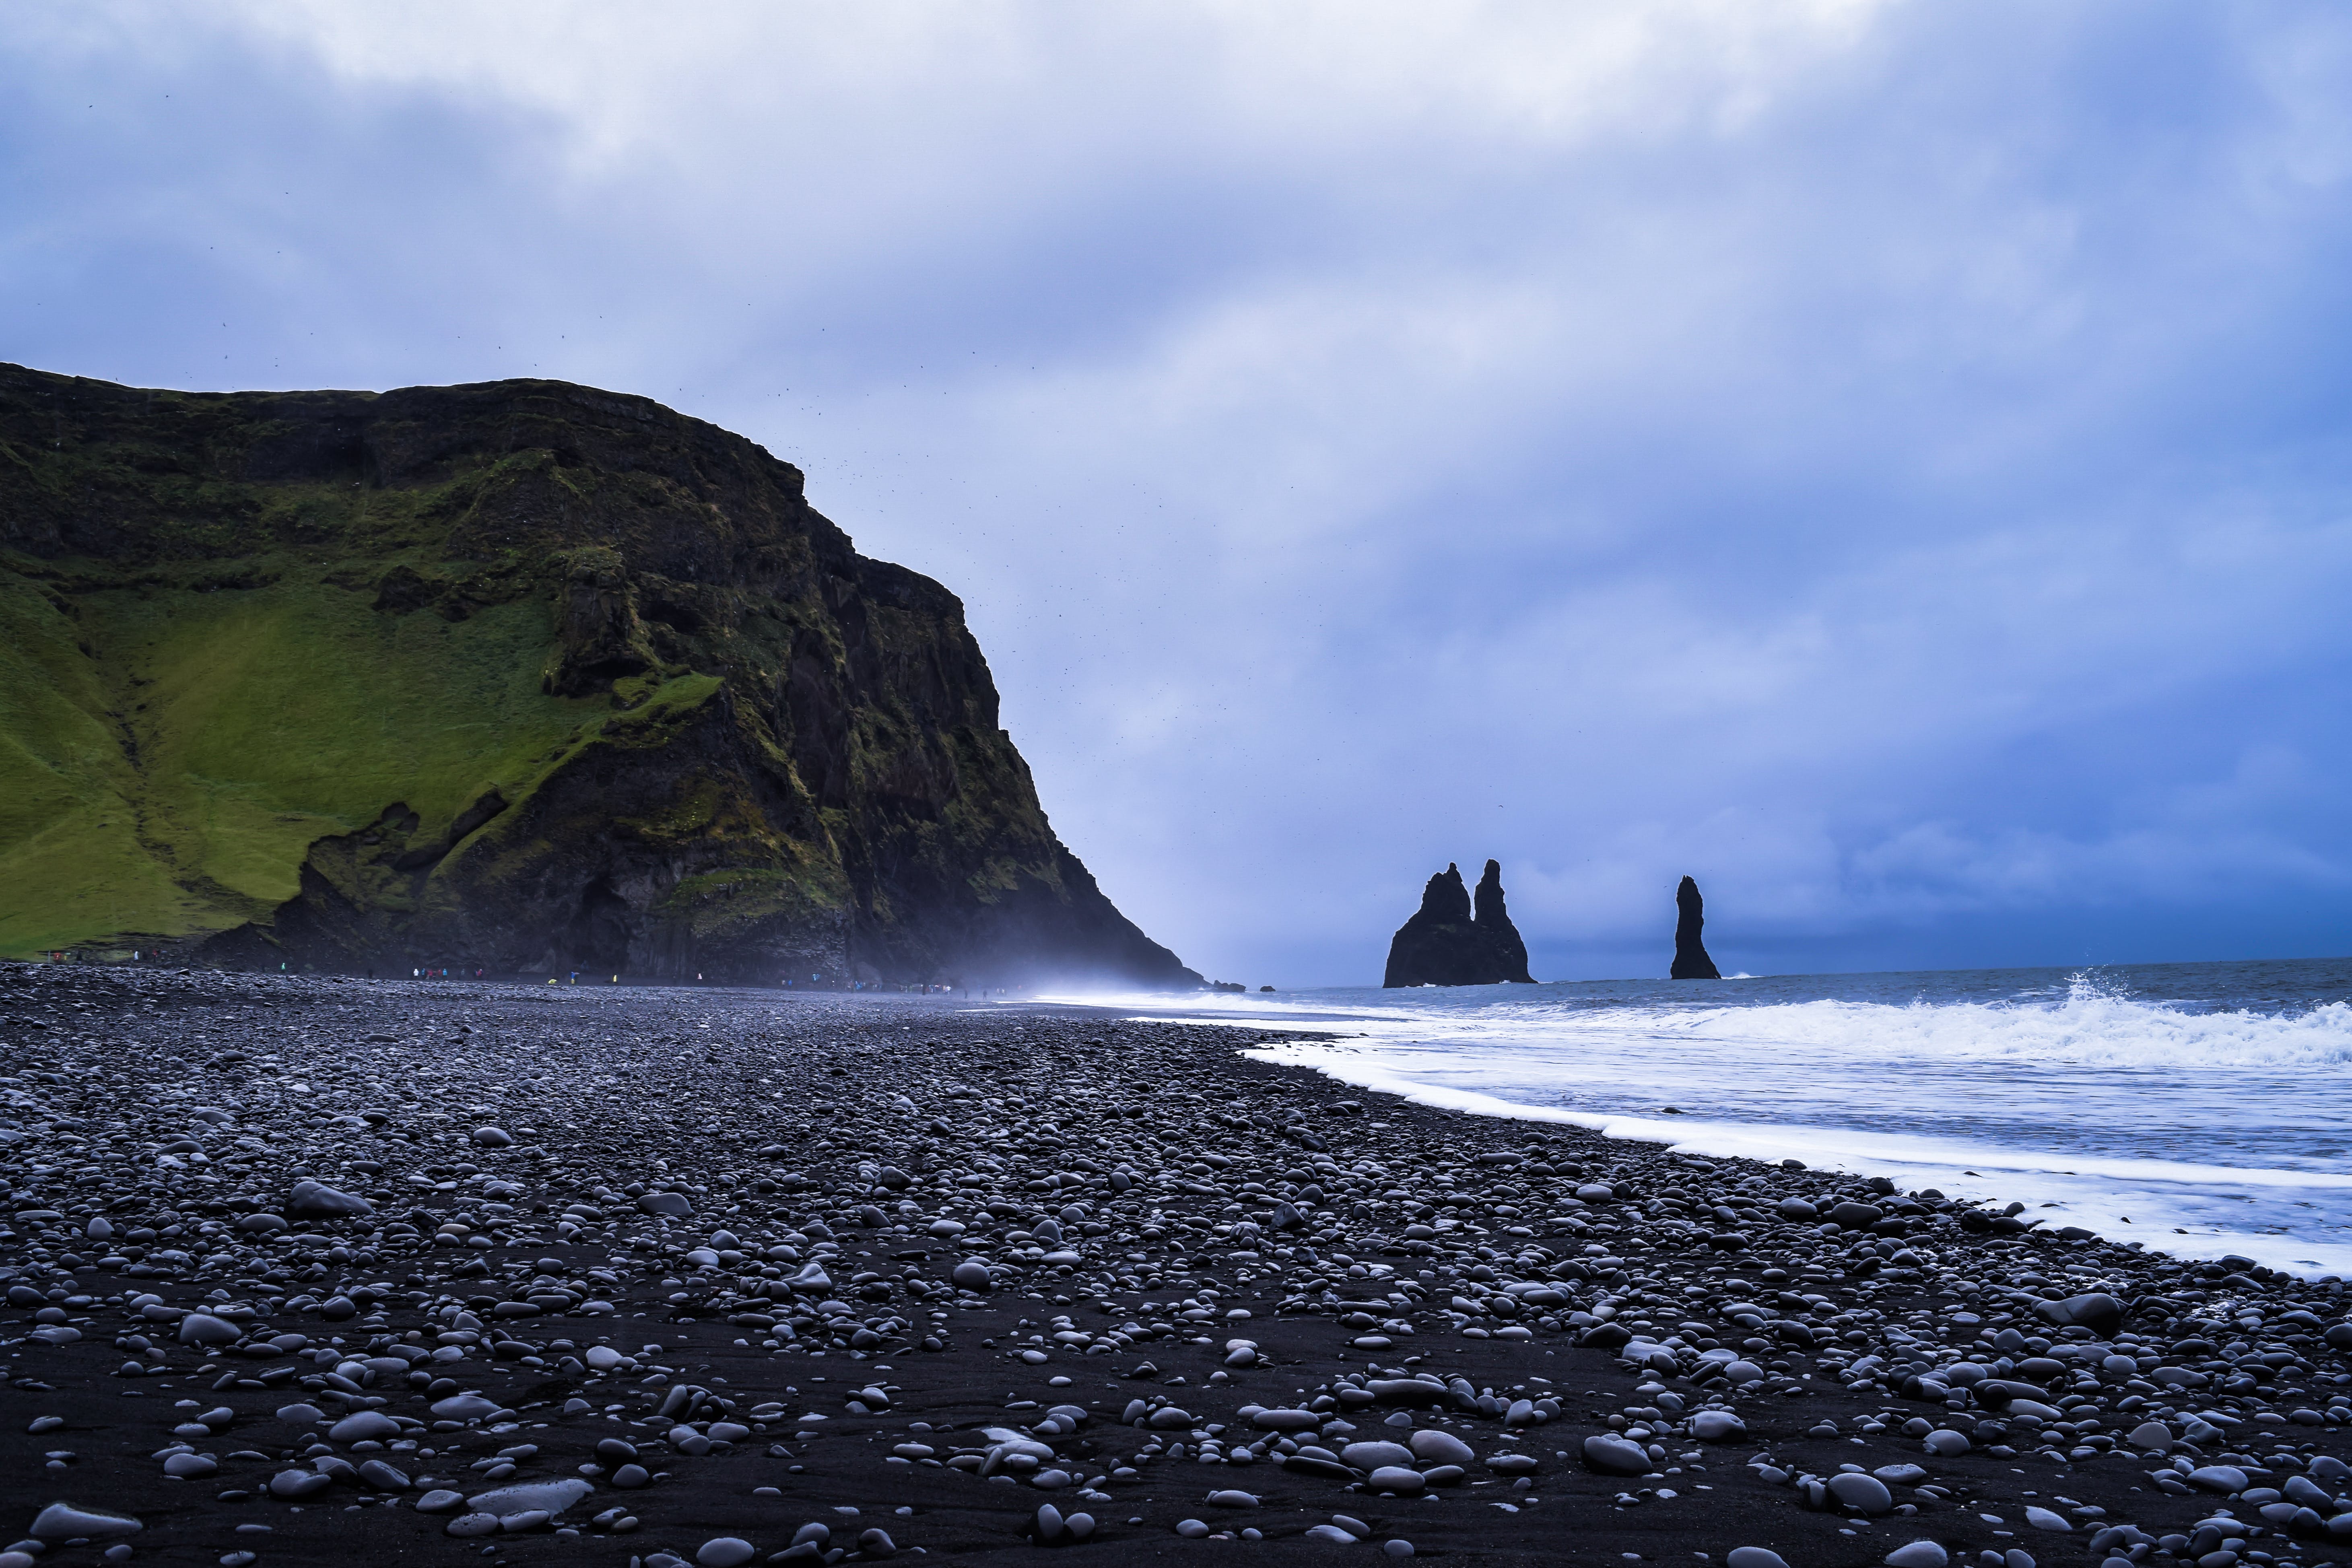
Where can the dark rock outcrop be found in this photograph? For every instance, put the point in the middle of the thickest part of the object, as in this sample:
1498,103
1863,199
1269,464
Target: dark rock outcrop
1691,962
522,676
1445,944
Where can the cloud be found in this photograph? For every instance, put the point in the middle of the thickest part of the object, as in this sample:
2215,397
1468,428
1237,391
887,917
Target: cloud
1882,459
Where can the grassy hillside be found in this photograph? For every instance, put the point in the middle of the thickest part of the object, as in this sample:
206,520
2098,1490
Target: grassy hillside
516,675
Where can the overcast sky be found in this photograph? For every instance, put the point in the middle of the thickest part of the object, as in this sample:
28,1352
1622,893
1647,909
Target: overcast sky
1890,461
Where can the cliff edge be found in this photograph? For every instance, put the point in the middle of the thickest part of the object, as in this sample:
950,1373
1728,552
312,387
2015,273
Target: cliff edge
521,675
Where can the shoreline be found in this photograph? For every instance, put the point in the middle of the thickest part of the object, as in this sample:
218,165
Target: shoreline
1123,1191
2192,1187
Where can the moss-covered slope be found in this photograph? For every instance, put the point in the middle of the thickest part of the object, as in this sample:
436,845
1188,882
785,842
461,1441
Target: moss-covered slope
521,675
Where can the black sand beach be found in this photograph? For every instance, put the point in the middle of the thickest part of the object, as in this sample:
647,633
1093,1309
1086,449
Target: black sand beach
674,1275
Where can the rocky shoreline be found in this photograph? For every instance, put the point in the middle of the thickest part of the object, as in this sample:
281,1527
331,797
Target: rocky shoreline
297,1267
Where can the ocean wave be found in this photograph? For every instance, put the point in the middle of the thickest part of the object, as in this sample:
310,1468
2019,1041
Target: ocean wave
2202,1113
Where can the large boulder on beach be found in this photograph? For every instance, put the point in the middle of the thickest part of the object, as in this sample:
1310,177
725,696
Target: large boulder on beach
1447,942
1691,962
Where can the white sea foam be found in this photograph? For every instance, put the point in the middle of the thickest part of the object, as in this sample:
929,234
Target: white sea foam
2193,1125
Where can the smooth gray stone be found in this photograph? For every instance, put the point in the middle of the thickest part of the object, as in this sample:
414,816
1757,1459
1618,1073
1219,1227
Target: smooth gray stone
1285,1421
1753,1557
1716,1426
554,1496
493,1138
1615,1457
1867,1493
316,1200
63,1522
383,1477
363,1425
1435,1448
203,1328
674,1204
1372,1456
1918,1554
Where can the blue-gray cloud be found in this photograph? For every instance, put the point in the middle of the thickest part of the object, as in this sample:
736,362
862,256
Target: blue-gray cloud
1885,460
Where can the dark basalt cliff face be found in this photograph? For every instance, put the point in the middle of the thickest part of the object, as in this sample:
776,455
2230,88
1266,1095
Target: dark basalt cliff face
523,676
1691,962
1446,944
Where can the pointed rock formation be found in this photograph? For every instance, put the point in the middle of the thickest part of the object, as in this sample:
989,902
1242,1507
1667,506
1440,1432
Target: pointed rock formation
1691,962
1442,944
1493,926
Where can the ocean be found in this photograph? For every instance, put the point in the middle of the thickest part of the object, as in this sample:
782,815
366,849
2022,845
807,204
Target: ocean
2202,1108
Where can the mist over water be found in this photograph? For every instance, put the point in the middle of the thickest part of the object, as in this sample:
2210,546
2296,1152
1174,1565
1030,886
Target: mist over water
2201,1109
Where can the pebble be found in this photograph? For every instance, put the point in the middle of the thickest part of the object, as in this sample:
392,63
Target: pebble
1372,1456
856,1226
64,1522
1918,1554
725,1552
1285,1421
1615,1457
547,1497
366,1426
1866,1494
203,1328
316,1200
1435,1448
1753,1557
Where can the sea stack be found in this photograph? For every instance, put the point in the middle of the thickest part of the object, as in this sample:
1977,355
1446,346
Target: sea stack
1691,962
1444,944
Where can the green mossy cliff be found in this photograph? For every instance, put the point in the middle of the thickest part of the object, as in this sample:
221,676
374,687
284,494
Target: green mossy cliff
522,676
